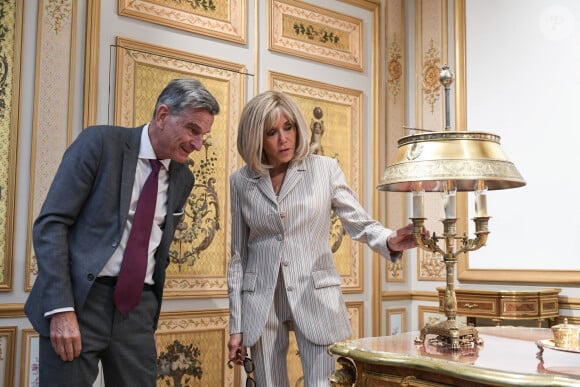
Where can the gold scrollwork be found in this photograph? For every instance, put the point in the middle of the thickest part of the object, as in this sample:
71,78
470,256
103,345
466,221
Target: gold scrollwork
59,12
395,268
431,84
196,231
394,69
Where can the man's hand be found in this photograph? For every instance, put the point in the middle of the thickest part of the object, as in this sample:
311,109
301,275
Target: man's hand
65,335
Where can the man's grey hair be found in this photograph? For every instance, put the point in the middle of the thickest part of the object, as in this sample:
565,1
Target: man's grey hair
186,92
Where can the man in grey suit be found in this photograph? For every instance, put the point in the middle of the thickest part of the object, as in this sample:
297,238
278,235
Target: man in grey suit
82,230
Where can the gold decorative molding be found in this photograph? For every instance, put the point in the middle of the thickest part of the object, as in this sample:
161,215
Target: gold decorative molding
10,57
91,78
29,367
7,354
12,310
392,328
408,296
311,32
223,19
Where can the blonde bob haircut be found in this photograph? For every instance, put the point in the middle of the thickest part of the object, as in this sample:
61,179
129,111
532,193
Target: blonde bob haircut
259,116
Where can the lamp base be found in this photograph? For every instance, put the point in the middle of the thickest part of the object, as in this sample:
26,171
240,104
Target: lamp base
451,334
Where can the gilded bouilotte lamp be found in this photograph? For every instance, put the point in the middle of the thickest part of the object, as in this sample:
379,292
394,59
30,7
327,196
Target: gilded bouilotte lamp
449,162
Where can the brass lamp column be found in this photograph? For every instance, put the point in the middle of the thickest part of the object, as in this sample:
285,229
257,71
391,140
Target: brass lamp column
450,162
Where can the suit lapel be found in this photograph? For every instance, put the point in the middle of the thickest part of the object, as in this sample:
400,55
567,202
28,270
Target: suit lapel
293,176
130,157
264,184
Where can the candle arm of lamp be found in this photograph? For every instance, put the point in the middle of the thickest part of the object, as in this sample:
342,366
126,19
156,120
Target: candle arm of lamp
429,244
481,233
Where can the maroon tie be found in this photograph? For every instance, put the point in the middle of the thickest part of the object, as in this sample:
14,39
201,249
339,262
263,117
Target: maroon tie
132,274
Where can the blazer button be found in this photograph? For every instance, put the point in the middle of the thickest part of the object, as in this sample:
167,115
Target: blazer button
91,277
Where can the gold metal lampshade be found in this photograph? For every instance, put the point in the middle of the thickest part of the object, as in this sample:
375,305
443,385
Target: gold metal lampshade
439,160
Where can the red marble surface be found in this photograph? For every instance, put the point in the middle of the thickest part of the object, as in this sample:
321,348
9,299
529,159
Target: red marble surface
507,349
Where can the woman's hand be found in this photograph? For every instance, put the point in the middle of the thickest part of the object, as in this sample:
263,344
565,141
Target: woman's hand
236,347
403,238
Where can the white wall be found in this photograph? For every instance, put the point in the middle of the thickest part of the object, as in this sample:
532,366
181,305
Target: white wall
523,61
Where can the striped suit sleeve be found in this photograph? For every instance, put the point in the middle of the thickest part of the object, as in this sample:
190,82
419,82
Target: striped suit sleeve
235,274
356,220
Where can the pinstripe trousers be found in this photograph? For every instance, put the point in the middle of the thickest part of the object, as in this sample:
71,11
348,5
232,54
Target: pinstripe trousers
271,350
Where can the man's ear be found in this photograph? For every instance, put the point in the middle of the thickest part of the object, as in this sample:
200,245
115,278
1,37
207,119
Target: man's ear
161,115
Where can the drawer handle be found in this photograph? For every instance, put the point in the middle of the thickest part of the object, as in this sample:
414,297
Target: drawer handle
470,306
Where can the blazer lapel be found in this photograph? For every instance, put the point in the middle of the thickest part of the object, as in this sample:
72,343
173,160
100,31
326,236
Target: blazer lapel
293,176
264,185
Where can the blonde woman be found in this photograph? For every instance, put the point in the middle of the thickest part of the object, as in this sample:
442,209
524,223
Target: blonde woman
282,269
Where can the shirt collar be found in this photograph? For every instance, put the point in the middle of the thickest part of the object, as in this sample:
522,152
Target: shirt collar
146,149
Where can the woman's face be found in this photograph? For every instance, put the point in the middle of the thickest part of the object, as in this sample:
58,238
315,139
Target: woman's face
280,142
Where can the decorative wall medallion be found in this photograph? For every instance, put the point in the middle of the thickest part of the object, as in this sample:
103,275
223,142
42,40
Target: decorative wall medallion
394,69
431,70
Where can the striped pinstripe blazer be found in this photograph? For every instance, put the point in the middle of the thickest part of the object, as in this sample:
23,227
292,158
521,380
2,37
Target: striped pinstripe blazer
290,234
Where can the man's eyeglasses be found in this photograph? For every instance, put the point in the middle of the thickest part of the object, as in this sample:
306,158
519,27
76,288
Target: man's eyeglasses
249,368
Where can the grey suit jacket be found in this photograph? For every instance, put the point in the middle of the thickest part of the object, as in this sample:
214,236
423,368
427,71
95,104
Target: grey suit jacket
291,233
82,219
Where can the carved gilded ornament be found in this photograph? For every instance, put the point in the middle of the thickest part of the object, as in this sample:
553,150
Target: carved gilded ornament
394,68
59,13
431,266
431,69
395,269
